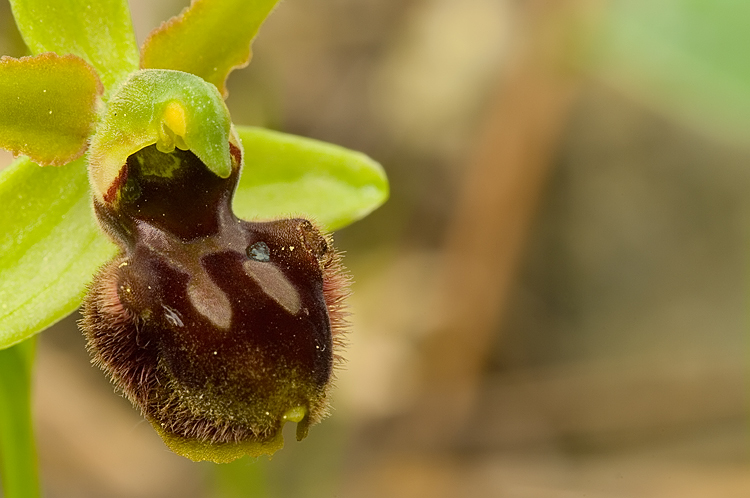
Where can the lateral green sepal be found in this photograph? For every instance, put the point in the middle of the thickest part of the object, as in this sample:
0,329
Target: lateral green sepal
50,246
287,175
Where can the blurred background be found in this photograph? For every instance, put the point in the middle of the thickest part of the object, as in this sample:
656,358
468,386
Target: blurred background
553,303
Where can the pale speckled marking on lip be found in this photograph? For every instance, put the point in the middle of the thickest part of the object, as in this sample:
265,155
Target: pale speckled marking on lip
275,284
210,301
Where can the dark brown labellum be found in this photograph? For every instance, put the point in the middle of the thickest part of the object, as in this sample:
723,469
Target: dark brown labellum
220,330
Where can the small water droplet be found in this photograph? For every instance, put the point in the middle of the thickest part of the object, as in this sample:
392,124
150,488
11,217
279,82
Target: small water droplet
259,252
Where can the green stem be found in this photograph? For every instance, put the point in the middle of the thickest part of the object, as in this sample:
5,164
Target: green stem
18,467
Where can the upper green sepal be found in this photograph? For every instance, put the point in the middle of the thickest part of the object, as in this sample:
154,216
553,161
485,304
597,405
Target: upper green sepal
208,39
48,106
98,31
167,108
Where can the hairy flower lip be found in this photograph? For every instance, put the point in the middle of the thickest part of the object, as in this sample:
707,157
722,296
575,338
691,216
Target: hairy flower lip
217,348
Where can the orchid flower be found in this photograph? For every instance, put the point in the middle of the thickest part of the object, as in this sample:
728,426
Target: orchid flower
218,329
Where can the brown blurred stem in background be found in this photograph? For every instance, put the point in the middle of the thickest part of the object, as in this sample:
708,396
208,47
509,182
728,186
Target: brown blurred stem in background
503,184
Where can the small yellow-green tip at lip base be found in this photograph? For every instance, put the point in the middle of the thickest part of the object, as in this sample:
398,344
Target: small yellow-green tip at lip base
163,107
198,451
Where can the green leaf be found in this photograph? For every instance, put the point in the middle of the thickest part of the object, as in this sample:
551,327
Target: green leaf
98,31
287,175
208,39
167,108
19,474
688,59
18,463
50,246
49,105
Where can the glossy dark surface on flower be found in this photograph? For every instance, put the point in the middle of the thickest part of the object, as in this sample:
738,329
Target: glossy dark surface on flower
218,329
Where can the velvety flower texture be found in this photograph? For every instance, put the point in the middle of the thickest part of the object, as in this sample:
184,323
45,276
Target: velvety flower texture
218,329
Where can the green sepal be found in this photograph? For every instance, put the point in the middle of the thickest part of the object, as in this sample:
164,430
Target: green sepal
208,39
167,108
50,246
286,175
49,106
98,31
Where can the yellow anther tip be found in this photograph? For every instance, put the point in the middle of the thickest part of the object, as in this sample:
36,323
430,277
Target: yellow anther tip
174,118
